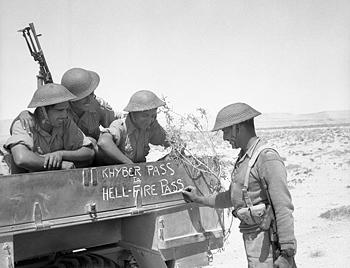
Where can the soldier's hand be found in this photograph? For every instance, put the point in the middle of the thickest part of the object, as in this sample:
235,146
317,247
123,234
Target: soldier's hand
53,160
283,262
27,121
67,165
190,194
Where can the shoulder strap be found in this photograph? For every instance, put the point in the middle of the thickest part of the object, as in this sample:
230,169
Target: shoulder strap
252,161
245,195
255,155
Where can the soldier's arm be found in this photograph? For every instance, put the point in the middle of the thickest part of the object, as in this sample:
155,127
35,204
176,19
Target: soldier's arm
81,154
111,150
27,159
219,200
272,169
77,147
21,144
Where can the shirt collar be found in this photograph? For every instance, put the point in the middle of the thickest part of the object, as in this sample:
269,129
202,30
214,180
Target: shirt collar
252,144
41,131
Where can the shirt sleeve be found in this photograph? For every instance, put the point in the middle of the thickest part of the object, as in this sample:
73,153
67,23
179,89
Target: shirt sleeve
19,136
116,129
107,115
158,135
74,138
272,169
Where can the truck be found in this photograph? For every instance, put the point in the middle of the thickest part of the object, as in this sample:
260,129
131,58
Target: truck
108,216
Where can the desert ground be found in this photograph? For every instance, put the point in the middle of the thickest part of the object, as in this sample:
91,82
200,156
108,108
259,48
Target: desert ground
318,164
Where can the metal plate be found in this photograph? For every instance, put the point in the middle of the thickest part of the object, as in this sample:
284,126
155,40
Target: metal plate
56,198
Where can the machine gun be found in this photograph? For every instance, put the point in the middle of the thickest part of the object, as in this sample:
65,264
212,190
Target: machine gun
31,37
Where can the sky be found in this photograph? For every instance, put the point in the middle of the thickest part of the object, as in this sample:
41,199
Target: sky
289,56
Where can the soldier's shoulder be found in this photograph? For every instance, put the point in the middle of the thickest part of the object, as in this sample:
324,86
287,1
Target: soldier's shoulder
268,154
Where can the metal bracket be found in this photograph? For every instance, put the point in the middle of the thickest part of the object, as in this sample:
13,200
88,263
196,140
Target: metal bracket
91,209
38,216
89,176
138,205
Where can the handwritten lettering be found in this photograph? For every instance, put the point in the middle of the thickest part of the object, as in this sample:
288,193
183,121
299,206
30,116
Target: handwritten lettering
161,170
121,171
170,169
162,187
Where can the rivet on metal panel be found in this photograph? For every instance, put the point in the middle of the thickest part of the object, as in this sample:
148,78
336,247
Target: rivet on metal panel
37,216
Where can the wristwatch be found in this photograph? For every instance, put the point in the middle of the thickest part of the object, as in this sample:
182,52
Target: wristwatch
288,253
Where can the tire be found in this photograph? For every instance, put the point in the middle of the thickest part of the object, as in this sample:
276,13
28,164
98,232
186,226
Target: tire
82,260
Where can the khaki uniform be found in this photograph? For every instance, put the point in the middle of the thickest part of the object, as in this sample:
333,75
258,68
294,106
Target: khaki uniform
268,166
133,142
98,113
67,137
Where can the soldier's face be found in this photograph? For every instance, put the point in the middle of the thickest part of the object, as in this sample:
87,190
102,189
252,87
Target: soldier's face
83,103
58,113
144,119
230,135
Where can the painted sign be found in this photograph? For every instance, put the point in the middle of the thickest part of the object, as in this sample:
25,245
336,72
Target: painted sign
150,180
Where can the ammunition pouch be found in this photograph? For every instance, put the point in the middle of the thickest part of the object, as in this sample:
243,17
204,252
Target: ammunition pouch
260,214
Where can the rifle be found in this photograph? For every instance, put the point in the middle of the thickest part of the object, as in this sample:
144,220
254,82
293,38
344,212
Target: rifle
31,37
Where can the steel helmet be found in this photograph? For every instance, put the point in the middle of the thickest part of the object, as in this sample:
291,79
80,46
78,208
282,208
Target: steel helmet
80,82
143,100
234,114
50,94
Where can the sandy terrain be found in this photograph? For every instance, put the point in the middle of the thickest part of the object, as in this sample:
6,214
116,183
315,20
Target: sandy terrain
318,164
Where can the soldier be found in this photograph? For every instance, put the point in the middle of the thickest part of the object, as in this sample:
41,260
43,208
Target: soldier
87,110
127,140
258,192
55,142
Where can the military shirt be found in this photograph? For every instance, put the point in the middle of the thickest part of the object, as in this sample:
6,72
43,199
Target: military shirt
97,113
67,137
270,167
134,142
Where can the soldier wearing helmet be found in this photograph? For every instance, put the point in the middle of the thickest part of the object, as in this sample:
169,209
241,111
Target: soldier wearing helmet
127,140
87,110
258,192
55,141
